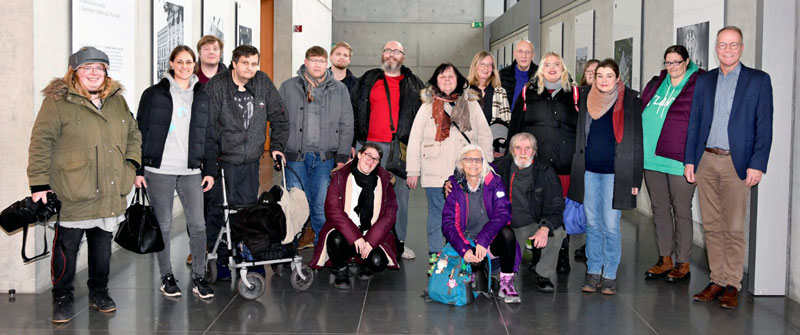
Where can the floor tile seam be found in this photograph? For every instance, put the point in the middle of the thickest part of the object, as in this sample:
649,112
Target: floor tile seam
363,305
502,318
778,316
220,313
630,305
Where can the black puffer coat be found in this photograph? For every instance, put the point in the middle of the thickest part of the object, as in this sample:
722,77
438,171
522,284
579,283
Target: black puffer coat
154,118
409,103
552,120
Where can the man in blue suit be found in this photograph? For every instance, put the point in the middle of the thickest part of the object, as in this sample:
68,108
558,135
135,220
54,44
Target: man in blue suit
727,148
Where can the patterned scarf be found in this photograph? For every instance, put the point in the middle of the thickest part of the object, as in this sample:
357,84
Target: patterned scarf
459,115
314,83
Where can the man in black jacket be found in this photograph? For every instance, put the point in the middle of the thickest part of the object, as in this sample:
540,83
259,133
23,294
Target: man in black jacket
372,107
537,204
243,100
516,75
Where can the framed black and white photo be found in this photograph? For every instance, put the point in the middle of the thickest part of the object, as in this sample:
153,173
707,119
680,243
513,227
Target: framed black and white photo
695,26
584,42
627,37
216,19
172,26
247,24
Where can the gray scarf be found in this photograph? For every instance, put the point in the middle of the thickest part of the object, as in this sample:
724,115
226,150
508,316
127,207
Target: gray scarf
555,86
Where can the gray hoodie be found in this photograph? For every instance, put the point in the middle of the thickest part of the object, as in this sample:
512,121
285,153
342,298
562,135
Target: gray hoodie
325,125
175,158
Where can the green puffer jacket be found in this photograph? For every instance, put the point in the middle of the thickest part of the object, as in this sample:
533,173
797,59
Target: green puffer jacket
84,154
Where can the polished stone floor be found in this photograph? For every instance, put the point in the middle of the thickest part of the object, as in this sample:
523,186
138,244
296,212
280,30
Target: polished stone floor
391,302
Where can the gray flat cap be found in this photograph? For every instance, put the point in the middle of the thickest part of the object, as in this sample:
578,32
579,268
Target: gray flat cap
88,55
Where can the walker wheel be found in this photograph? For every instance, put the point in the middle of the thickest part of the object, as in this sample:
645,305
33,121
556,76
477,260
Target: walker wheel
299,283
211,271
258,286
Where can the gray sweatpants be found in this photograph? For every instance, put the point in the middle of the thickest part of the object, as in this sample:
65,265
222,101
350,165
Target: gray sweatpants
547,262
161,191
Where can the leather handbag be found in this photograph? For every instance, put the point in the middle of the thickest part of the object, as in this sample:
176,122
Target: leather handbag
396,159
140,231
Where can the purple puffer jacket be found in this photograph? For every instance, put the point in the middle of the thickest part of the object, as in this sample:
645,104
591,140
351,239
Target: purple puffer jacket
672,141
456,209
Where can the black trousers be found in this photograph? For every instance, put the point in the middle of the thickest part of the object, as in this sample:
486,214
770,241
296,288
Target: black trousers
340,251
241,185
65,254
504,246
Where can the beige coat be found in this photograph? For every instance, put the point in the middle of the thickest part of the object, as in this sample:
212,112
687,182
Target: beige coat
434,161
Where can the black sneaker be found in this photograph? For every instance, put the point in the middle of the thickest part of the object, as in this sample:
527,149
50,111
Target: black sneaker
62,309
543,284
201,288
99,298
342,278
169,286
580,254
364,273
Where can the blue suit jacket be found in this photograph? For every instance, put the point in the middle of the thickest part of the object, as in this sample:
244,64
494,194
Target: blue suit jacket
749,125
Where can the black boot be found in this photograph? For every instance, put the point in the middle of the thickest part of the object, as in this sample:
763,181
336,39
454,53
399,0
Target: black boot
62,309
563,261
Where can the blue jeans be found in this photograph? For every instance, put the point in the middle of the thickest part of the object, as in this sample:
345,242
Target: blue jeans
603,239
315,175
435,207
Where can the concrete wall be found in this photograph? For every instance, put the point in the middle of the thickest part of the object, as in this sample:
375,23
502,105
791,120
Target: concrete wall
432,32
290,47
18,118
794,229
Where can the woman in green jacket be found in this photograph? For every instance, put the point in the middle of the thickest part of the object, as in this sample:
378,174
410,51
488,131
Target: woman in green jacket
85,147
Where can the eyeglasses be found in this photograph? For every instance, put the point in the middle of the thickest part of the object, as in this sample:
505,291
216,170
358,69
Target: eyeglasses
485,65
317,61
732,45
370,158
396,52
670,64
524,52
473,160
90,69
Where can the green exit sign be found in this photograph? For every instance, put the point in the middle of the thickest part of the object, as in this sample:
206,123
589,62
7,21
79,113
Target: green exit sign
477,24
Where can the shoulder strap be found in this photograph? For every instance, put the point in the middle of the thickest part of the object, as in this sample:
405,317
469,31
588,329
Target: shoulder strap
389,102
575,96
524,104
462,133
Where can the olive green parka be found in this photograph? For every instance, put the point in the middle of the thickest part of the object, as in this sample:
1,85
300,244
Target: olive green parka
86,155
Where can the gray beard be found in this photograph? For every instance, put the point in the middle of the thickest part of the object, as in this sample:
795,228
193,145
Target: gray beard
390,68
522,165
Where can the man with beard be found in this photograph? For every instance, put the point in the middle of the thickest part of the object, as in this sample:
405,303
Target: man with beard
537,204
321,130
340,60
385,102
243,100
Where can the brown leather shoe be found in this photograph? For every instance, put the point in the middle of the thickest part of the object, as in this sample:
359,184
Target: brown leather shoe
661,269
307,239
679,273
711,292
729,299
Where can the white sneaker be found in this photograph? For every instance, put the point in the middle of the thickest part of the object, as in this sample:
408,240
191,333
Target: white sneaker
408,253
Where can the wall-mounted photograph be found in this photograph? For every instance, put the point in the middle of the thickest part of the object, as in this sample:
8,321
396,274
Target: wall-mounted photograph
695,39
623,54
171,27
695,25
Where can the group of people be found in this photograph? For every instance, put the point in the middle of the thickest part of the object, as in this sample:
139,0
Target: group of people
592,143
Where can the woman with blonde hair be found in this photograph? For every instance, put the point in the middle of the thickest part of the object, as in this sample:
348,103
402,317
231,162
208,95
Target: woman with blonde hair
494,100
549,114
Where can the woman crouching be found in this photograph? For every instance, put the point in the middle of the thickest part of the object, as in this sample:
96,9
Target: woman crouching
360,212
478,210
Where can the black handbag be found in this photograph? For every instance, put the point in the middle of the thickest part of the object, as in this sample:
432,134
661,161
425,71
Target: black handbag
396,159
140,231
